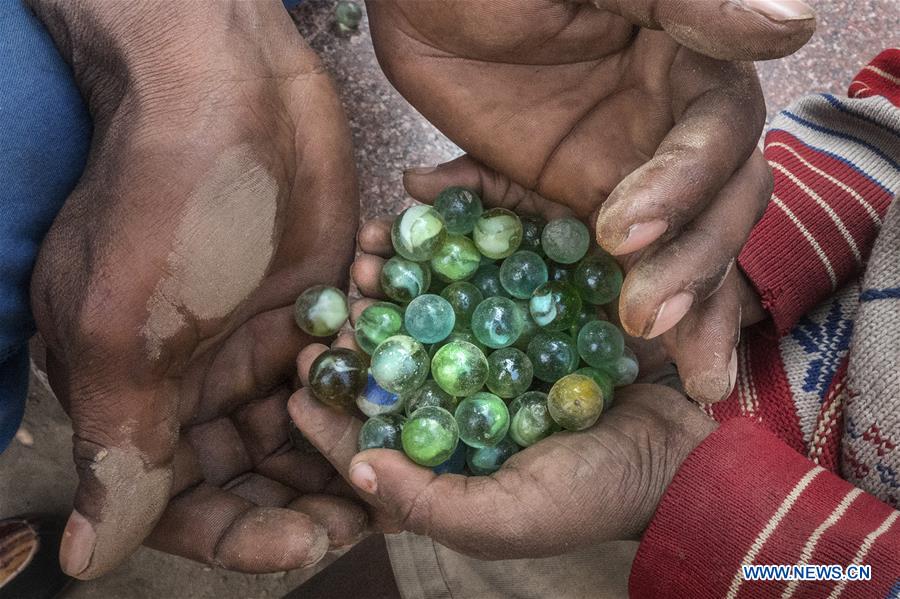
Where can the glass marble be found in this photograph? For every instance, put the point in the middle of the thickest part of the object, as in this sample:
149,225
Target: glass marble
575,402
455,464
624,371
588,313
375,400
487,280
463,298
532,227
509,373
600,342
459,368
460,208
429,318
430,436
497,322
530,419
553,355
487,460
555,306
565,240
457,335
400,364
437,286
337,376
376,323
482,419
598,278
529,330
348,15
430,394
402,279
558,272
382,432
522,273
603,380
418,232
321,311
497,233
456,259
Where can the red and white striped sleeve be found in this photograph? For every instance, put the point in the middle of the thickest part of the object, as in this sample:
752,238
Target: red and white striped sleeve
836,165
743,497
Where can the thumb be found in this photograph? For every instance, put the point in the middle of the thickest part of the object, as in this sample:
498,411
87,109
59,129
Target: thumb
727,30
123,445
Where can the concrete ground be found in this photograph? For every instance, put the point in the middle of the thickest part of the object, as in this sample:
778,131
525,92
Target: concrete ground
389,136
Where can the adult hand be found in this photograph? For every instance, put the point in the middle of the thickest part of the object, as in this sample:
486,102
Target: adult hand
220,184
627,109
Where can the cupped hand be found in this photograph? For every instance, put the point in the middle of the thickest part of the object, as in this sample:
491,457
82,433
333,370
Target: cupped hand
220,184
636,111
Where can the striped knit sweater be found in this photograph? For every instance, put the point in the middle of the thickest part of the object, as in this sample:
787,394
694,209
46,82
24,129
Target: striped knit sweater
805,468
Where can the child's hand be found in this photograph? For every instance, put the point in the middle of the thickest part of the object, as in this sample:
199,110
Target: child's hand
567,491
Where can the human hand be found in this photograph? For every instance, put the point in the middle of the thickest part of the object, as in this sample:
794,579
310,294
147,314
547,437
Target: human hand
616,109
220,184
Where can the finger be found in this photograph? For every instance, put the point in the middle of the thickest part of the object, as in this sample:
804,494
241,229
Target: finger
705,347
213,526
260,490
374,237
737,30
305,359
347,341
334,433
664,284
305,472
716,131
357,308
495,189
345,520
366,273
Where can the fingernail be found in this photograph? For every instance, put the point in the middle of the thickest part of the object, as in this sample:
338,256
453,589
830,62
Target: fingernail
77,546
640,236
420,170
781,10
363,476
732,371
670,313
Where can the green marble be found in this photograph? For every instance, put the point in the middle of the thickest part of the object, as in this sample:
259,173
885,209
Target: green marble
374,400
429,318
348,15
497,233
430,436
337,376
598,278
418,232
487,280
457,335
485,461
376,323
483,420
381,432
575,402
509,372
497,322
402,279
625,370
460,208
455,464
430,394
522,273
437,286
603,380
456,259
532,227
553,355
588,313
565,240
400,364
459,368
558,272
530,328
600,342
531,419
463,298
321,311
555,306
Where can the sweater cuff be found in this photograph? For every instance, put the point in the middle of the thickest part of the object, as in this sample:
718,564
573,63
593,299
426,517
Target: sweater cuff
744,497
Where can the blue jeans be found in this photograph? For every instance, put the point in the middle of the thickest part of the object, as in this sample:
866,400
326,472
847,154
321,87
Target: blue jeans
45,133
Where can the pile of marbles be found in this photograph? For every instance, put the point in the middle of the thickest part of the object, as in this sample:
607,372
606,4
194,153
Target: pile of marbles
494,337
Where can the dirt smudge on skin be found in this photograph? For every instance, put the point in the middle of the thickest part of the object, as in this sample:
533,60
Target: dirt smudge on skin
223,246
